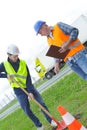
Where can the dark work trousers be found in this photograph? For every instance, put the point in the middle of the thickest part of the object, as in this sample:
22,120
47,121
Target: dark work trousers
24,102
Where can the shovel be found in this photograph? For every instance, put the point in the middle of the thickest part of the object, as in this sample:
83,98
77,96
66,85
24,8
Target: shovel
60,125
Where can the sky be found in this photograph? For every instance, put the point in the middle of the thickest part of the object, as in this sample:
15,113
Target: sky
17,18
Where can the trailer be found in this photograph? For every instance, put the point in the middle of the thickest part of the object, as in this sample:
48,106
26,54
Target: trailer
81,24
44,65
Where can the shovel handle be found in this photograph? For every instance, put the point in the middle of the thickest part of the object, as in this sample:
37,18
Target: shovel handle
27,93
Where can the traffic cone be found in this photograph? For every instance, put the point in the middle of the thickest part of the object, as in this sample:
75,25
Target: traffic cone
70,121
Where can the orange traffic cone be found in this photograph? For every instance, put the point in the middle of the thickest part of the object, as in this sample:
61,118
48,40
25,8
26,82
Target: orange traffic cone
70,121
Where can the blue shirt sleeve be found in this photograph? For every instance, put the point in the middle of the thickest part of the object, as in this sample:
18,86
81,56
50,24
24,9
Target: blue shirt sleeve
29,81
3,73
69,30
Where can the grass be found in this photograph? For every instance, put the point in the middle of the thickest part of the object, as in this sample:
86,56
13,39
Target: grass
37,84
70,92
43,80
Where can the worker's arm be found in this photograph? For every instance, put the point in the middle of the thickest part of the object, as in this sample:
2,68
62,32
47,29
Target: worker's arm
2,71
29,84
56,67
68,30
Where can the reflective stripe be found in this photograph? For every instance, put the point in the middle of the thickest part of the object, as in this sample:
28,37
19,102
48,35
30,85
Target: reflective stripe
68,118
71,47
18,83
20,76
83,128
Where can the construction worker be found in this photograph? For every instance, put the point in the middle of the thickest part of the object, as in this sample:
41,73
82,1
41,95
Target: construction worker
66,37
18,69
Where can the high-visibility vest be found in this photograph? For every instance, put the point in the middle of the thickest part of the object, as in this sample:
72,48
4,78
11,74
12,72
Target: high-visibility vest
20,76
59,38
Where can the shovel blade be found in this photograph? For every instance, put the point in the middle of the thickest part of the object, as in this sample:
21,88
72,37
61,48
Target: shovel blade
61,126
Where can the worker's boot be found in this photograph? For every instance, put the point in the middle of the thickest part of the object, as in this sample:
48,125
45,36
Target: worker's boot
54,128
53,124
40,128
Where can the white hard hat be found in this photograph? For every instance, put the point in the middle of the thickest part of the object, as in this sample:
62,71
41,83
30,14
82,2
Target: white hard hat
13,49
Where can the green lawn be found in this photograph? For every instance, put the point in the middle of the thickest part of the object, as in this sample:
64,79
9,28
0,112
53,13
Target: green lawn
70,92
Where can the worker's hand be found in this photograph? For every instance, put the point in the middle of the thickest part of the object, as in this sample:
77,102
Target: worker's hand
10,77
31,96
56,68
65,46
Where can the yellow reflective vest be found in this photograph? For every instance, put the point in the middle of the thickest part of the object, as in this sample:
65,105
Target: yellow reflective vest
60,38
20,75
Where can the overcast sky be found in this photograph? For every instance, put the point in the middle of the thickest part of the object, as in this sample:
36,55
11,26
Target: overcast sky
17,18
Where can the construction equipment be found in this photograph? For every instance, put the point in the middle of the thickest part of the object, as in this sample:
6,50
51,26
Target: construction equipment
40,68
60,124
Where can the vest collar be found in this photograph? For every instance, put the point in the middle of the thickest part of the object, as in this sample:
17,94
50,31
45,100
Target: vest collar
12,61
51,35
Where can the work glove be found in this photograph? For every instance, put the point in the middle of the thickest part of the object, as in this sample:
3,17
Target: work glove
31,96
9,76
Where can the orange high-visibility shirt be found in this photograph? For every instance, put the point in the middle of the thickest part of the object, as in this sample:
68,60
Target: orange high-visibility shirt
60,38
